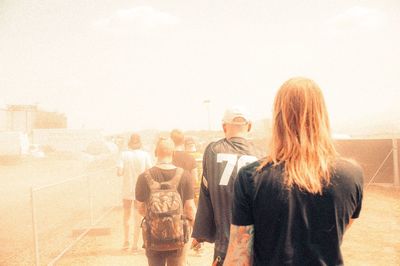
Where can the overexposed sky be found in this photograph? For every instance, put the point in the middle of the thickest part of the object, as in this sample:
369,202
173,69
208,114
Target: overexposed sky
130,65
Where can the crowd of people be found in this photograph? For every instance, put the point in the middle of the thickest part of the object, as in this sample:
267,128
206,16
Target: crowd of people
291,207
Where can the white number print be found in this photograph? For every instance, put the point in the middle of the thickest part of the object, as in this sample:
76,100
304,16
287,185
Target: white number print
232,161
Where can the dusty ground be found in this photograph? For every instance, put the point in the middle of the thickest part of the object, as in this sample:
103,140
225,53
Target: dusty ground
59,209
374,239
106,250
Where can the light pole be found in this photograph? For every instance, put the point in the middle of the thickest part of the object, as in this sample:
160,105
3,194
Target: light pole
207,104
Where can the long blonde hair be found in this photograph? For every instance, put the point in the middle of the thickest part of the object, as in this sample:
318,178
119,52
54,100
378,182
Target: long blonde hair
301,137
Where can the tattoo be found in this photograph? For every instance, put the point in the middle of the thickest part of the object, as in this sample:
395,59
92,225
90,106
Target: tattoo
240,249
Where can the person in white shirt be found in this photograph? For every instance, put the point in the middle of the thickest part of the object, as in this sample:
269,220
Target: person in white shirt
131,164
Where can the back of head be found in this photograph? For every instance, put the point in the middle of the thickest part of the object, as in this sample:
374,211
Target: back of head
190,145
177,137
236,122
135,142
301,136
164,148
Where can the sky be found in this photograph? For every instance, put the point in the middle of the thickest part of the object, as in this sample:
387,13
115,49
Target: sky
132,65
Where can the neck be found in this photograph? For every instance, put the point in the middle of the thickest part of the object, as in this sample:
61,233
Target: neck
179,148
237,135
165,163
166,160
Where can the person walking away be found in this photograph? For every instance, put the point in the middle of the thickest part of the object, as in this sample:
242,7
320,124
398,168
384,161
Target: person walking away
186,161
164,196
132,162
221,161
181,158
293,207
190,148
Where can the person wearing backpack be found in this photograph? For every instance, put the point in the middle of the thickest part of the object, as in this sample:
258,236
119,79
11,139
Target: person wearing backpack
165,197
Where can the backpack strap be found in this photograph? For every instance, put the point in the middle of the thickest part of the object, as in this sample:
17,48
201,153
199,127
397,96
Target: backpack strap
153,184
174,182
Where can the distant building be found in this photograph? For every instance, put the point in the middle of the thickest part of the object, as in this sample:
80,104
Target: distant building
25,118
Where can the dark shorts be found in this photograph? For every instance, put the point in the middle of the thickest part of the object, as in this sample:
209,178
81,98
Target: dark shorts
160,258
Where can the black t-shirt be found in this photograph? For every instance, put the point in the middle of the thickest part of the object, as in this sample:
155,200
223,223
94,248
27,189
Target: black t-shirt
184,160
293,227
185,187
220,163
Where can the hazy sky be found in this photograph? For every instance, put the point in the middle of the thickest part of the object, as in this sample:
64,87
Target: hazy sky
121,65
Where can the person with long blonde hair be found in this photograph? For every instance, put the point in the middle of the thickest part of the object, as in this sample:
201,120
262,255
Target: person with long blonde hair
293,207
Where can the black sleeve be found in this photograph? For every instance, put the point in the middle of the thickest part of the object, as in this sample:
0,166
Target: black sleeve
142,189
242,200
204,225
359,195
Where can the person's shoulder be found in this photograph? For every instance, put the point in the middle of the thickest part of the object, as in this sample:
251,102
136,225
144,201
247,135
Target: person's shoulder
141,180
349,168
147,172
143,174
250,147
248,172
217,146
185,176
250,168
210,148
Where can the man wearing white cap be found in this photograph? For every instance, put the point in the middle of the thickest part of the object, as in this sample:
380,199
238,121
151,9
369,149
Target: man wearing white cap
221,161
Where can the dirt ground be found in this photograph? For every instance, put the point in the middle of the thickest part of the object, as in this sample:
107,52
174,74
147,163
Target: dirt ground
59,209
374,239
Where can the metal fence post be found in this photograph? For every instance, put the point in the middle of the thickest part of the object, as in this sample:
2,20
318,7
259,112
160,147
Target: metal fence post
34,228
90,197
396,180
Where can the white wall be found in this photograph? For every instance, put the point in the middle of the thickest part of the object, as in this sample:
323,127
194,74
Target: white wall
67,140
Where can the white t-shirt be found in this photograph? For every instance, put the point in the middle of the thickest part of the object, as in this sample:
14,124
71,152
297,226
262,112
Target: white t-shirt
132,163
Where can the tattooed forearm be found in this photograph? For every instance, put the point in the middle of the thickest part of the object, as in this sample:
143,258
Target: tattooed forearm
240,249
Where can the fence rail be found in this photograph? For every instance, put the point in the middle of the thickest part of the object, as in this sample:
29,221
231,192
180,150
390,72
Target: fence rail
88,179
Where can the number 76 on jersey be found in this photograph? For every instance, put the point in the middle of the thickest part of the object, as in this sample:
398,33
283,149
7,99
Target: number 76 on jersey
232,160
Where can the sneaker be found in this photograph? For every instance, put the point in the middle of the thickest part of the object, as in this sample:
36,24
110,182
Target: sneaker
125,246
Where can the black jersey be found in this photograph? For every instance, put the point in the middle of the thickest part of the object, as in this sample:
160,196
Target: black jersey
221,161
291,226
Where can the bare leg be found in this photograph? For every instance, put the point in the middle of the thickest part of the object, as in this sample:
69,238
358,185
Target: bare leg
127,214
183,258
136,228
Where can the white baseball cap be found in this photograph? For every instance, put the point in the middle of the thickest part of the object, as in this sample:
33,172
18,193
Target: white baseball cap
235,112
